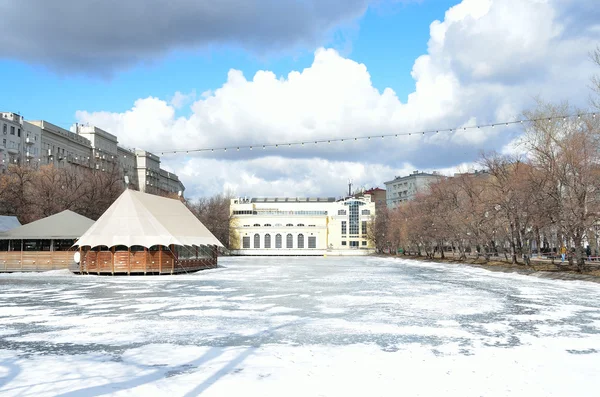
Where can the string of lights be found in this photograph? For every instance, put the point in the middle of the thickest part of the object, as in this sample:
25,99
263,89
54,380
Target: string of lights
372,137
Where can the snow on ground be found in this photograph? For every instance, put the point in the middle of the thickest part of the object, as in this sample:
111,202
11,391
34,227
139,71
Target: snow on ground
300,327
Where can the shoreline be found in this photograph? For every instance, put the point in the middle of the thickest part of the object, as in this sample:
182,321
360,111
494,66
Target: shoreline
536,269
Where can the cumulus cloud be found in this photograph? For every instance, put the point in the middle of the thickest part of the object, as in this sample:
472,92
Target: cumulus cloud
98,36
486,61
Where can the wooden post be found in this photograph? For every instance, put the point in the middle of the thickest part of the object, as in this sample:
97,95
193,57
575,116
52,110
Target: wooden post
21,255
145,260
128,261
80,261
160,259
174,258
112,261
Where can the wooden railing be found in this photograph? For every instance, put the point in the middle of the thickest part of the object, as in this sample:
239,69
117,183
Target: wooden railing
35,261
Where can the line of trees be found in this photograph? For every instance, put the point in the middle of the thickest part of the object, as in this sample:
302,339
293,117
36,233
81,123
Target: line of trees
31,192
544,200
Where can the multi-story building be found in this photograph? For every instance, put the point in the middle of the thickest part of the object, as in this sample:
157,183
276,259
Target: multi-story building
103,145
302,226
19,141
377,196
43,143
405,188
128,161
63,148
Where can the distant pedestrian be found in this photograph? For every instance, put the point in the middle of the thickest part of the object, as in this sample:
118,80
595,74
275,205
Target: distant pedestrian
563,253
588,252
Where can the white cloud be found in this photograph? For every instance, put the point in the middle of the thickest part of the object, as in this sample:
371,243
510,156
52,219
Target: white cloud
180,99
486,62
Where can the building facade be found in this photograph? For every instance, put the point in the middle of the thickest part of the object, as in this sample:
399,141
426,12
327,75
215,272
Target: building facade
40,142
405,188
302,226
19,141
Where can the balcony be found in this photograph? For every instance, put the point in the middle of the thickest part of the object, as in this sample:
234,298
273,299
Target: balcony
29,141
13,150
29,155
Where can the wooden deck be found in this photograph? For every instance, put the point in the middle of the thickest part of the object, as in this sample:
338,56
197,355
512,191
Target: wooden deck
141,262
35,261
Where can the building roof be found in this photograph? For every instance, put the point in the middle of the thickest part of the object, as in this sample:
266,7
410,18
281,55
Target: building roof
8,222
64,225
415,175
293,200
137,218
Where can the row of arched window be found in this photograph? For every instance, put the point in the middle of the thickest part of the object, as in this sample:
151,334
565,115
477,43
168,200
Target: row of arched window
289,241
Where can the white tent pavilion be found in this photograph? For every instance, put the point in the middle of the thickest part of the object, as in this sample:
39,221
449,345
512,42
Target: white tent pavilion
144,233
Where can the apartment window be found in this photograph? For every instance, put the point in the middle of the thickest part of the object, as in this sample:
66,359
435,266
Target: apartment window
343,243
312,242
12,130
257,225
364,243
19,132
267,241
301,241
364,227
343,227
301,225
289,224
4,129
267,225
246,242
278,241
4,142
366,212
341,212
289,241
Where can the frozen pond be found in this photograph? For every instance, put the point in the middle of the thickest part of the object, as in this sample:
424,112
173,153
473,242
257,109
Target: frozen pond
300,327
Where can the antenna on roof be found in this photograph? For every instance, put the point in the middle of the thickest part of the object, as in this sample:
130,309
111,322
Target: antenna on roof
349,187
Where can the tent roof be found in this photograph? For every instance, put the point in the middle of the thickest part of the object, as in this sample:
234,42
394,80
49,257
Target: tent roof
8,222
64,225
137,218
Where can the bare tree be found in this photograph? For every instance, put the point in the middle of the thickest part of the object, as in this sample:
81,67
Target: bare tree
214,212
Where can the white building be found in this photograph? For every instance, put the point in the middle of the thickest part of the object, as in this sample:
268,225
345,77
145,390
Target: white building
42,143
20,141
63,148
405,188
302,226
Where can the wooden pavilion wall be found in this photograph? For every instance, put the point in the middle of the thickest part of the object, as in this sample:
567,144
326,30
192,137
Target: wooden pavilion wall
35,261
142,262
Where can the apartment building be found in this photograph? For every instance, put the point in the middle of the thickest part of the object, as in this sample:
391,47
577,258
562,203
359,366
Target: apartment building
19,140
43,143
302,226
63,148
405,188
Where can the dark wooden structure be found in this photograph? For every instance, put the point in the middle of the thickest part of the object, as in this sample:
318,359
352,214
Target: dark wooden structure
158,260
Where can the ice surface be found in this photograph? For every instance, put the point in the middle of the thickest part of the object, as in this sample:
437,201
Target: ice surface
300,327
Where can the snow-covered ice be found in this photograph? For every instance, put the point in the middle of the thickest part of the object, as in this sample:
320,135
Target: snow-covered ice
360,326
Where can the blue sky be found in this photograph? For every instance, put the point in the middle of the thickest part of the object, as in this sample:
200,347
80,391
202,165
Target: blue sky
215,74
388,38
